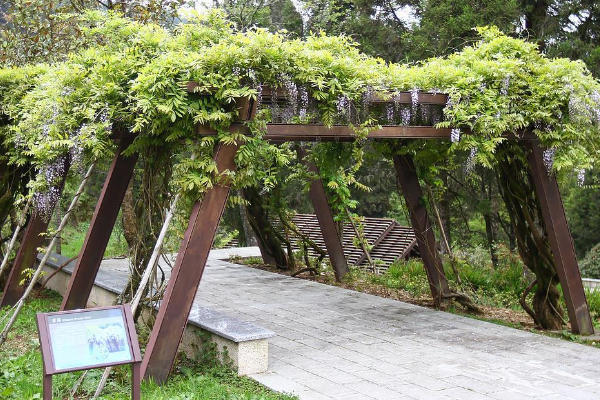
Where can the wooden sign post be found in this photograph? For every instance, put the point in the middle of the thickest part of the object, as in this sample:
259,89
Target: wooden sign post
91,338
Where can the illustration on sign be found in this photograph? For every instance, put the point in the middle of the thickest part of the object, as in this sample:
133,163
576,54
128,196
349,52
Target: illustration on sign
88,339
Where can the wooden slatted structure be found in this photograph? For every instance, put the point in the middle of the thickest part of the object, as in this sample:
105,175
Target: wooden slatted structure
187,273
389,240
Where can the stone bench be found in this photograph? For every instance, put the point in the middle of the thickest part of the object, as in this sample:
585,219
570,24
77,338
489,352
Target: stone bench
241,344
592,284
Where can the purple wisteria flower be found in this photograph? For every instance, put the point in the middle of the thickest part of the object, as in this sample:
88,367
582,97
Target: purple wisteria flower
303,102
580,177
45,201
405,116
505,85
343,105
548,159
455,135
389,114
470,163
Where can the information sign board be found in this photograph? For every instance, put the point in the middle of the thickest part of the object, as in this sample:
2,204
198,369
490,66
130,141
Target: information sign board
91,338
88,339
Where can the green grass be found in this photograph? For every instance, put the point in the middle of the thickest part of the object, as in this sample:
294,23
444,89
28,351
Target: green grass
73,237
499,287
21,371
409,276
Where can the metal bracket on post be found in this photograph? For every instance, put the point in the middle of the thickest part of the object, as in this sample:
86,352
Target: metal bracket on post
101,226
333,242
411,189
189,266
561,241
27,254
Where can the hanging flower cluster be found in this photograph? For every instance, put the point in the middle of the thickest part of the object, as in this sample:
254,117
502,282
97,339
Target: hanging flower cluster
53,175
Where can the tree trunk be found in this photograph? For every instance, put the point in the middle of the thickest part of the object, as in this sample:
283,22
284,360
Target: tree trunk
536,20
490,230
57,219
13,181
523,207
444,209
128,216
238,219
269,239
143,214
248,233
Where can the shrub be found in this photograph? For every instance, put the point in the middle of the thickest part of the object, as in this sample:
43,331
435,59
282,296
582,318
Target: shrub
590,265
593,300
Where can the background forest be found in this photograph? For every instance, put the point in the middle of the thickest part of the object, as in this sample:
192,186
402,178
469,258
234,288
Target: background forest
467,195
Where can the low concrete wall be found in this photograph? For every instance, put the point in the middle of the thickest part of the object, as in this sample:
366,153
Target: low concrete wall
593,284
246,357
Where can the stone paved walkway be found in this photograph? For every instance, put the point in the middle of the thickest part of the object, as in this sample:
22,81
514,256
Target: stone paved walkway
334,343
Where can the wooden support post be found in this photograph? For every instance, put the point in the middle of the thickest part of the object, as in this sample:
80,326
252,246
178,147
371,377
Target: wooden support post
331,236
561,242
186,275
101,226
47,387
191,259
136,380
411,189
27,253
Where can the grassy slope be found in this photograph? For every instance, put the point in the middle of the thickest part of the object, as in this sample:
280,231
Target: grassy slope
73,237
21,371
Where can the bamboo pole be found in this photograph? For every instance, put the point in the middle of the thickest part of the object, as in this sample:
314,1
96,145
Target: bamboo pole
38,272
438,220
362,241
13,240
150,268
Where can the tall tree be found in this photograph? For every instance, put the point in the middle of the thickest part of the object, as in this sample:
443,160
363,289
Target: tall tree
47,30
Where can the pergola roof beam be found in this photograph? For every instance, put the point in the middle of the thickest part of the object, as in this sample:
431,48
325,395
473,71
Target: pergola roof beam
310,132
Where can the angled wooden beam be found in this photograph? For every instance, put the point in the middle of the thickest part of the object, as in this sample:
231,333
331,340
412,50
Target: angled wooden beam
411,189
331,236
186,274
27,254
24,259
561,241
189,266
101,226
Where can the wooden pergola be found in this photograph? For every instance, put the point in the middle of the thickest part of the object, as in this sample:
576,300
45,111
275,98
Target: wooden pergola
206,215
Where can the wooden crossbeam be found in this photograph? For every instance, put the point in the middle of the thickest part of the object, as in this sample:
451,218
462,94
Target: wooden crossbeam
310,132
269,94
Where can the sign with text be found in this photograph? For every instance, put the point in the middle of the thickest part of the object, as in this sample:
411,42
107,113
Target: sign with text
89,338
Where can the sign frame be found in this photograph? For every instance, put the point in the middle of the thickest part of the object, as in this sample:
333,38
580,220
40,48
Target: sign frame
48,357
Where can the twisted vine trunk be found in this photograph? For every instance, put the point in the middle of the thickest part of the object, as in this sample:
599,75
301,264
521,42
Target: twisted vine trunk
13,181
518,193
142,214
269,239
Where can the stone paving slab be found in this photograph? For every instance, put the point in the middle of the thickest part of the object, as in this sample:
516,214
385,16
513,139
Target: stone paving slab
333,343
